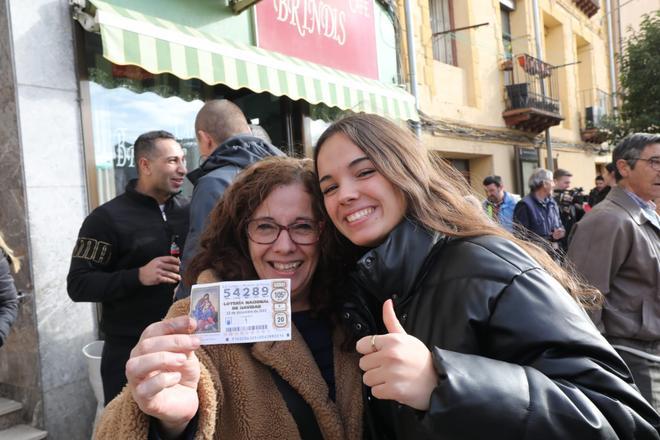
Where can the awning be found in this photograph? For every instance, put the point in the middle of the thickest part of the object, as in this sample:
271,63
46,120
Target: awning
159,46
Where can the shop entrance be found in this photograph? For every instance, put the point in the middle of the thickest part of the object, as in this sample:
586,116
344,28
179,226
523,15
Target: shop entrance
122,102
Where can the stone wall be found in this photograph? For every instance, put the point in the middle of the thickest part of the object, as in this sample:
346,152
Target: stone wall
40,133
19,357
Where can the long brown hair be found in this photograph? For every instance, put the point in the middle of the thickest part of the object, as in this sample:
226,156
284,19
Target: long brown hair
9,253
223,246
437,195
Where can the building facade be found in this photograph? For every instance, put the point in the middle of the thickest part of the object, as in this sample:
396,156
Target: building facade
486,97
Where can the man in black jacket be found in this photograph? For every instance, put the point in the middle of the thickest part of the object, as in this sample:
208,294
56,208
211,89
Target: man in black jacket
122,256
225,139
599,192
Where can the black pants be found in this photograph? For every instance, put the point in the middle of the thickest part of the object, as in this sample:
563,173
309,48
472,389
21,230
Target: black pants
116,352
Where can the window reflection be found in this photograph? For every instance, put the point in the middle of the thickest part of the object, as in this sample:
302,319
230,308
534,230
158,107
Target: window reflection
320,117
119,116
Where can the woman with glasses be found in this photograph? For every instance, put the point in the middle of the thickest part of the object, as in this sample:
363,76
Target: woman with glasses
268,225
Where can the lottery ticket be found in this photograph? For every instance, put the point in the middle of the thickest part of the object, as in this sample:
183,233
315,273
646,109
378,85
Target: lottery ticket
236,312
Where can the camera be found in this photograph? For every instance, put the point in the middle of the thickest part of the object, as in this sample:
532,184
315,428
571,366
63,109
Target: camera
568,197
570,202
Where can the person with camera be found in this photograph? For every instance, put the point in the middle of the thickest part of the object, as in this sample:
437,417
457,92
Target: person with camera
569,201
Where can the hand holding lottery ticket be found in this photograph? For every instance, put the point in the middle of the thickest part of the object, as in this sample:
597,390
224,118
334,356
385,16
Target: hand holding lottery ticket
238,312
163,373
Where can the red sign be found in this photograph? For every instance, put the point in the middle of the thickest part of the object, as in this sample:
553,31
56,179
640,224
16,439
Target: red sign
336,33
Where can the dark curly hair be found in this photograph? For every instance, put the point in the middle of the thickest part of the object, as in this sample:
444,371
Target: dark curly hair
224,242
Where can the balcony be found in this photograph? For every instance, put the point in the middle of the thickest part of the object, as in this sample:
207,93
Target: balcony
589,7
596,105
531,99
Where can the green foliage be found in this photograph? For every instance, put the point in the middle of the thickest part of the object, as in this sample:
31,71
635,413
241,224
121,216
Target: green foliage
640,79
615,127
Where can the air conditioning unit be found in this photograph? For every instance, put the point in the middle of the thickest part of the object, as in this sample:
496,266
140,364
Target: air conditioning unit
593,116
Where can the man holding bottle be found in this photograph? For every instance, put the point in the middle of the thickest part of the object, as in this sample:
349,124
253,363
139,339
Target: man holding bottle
124,257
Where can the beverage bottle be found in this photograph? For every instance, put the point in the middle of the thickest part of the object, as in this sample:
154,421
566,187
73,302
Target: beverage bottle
175,250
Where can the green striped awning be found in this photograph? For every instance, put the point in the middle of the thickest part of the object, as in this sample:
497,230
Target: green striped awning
159,46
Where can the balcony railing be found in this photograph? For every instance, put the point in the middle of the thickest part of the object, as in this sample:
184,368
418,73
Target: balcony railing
589,7
596,105
522,96
531,100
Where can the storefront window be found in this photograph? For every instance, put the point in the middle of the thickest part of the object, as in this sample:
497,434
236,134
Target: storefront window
119,116
320,118
126,101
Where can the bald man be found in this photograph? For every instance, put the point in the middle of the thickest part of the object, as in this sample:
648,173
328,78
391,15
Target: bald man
228,145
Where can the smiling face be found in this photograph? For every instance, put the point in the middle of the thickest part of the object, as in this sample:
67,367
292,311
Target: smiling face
363,205
163,172
285,205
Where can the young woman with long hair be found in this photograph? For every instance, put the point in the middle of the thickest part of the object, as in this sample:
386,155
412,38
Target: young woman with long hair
465,331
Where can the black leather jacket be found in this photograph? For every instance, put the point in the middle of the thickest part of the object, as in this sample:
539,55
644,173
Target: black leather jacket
114,241
516,357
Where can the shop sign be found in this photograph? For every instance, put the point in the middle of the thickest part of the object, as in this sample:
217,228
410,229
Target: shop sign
337,33
528,154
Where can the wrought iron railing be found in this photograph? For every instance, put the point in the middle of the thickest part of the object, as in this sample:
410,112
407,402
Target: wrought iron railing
534,85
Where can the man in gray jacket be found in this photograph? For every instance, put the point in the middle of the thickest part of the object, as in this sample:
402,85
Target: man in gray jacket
616,246
226,141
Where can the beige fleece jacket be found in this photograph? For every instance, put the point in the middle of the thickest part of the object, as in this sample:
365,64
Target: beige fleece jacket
238,398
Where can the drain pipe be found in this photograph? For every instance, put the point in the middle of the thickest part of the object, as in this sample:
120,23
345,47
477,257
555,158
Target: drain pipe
610,43
412,66
539,55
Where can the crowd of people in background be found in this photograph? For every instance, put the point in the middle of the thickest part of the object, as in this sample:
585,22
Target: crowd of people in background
392,280
612,239
417,310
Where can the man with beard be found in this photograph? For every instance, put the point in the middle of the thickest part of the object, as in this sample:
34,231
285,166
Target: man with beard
569,203
499,204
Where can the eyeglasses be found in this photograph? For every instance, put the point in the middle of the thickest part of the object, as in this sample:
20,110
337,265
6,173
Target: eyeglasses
267,231
654,162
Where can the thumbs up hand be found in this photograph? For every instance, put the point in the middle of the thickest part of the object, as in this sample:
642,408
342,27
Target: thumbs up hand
397,366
